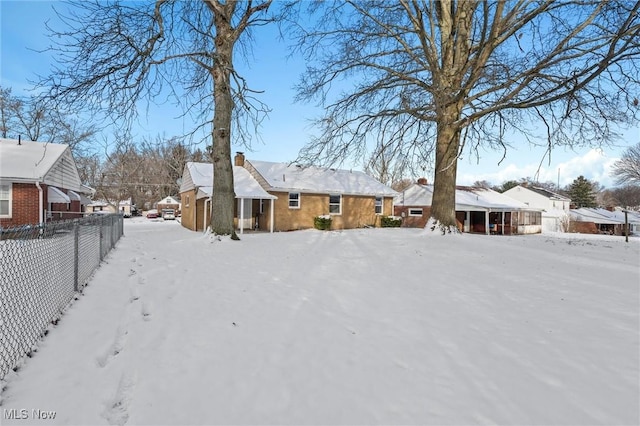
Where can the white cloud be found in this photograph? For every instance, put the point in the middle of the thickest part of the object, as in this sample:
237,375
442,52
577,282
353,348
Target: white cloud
593,165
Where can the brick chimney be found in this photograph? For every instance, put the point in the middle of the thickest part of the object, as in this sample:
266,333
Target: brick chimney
422,181
239,159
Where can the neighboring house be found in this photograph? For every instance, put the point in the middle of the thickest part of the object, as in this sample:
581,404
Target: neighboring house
39,182
125,207
168,203
196,190
100,206
596,221
555,207
478,210
283,197
351,198
632,219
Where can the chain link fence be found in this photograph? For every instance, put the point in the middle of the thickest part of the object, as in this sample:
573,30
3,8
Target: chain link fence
41,269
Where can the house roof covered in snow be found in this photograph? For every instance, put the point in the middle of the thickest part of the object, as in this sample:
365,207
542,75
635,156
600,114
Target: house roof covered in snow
310,179
467,198
595,215
200,176
546,193
49,163
632,216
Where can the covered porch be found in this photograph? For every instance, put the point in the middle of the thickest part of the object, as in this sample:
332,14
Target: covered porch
500,221
250,197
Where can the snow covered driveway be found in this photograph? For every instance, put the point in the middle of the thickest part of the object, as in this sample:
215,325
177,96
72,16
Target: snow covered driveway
375,326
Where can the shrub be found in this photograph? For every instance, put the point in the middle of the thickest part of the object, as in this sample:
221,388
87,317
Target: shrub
390,221
322,222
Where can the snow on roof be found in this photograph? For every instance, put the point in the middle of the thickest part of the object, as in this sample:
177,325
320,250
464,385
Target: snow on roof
415,195
546,193
29,160
245,186
595,215
466,197
632,216
290,177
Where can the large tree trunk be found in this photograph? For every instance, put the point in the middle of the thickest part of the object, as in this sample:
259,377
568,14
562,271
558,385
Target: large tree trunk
443,206
223,202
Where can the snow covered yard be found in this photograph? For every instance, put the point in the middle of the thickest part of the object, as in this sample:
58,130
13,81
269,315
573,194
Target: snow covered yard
375,326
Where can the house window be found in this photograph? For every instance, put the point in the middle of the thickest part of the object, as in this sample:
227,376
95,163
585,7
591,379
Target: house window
294,200
5,200
262,201
378,205
335,204
415,212
537,218
186,201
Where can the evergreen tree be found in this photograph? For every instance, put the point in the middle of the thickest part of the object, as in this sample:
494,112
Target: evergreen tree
582,193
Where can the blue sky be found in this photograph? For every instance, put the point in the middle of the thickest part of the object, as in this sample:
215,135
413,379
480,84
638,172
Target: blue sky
287,128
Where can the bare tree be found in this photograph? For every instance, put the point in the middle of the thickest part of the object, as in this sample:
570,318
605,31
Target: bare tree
7,108
627,196
627,169
115,55
120,172
482,184
29,118
446,77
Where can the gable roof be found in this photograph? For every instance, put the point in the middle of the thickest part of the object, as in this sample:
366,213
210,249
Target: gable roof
200,176
467,198
294,178
168,200
541,191
49,163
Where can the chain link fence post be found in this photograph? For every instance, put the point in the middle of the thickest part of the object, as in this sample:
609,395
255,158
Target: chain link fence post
76,253
43,267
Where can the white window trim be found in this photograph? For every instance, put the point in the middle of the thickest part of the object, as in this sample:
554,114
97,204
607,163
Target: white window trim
289,200
339,204
415,210
375,205
10,213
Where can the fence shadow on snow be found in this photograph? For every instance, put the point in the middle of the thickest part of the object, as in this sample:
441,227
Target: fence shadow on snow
42,268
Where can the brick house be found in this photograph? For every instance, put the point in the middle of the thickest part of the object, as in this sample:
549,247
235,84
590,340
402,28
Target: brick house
351,198
39,182
478,210
168,202
196,190
288,197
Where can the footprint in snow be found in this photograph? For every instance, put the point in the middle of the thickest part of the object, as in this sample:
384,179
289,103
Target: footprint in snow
114,349
146,312
116,410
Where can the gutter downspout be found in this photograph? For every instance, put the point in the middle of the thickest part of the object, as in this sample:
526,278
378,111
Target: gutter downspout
40,203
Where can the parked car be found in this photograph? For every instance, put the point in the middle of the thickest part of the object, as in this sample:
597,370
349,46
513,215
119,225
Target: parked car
168,214
152,214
